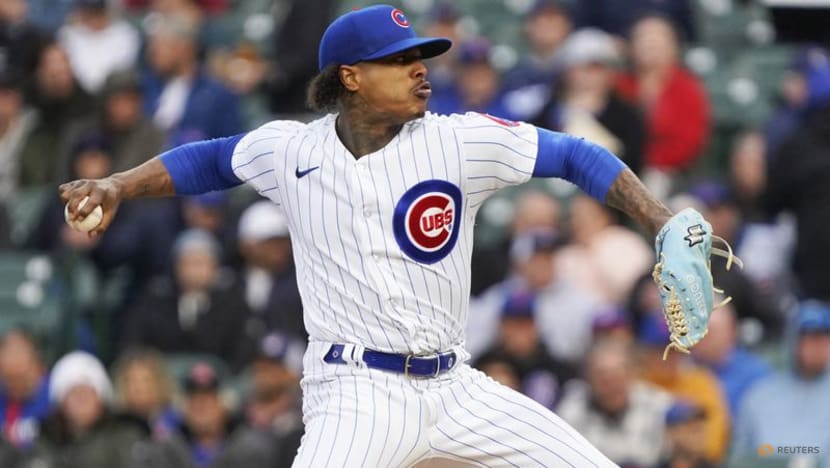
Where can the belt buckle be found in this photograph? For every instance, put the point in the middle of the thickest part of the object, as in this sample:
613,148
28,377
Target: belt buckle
407,365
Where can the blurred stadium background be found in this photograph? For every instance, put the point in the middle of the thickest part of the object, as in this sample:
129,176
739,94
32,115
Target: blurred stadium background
177,334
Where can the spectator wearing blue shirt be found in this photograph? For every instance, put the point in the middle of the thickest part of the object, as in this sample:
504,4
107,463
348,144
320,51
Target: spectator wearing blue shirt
179,95
24,388
792,407
736,368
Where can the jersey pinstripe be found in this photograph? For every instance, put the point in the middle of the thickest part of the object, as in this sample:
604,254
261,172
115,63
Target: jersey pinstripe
357,282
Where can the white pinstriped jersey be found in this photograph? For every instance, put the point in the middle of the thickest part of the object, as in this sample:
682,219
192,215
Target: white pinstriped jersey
382,243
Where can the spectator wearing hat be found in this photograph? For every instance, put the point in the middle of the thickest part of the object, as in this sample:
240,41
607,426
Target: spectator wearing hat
268,278
196,311
605,257
737,368
792,406
540,376
202,438
83,430
206,417
561,311
685,380
182,99
133,137
98,43
546,26
24,388
673,101
17,121
685,429
477,86
584,103
619,414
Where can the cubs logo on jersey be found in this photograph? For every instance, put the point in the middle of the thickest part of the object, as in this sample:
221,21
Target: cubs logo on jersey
426,220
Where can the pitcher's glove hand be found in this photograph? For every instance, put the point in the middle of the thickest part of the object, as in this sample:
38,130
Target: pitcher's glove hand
684,278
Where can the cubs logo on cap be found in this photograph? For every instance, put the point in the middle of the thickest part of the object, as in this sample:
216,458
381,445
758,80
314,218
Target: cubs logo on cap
399,18
427,220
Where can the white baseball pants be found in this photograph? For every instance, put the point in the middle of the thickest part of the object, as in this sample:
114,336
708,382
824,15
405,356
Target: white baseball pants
359,417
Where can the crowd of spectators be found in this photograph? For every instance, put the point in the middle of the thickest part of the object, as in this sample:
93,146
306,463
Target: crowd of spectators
193,360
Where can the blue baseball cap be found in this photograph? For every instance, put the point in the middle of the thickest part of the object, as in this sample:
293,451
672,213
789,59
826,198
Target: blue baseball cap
813,317
372,33
519,304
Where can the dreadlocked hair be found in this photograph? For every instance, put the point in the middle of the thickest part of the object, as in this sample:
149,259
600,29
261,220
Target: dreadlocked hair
325,90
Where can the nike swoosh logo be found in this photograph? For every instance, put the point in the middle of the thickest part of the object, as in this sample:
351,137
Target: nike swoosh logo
300,174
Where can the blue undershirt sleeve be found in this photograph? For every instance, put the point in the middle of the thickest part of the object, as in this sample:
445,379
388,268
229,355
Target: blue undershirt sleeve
590,166
202,166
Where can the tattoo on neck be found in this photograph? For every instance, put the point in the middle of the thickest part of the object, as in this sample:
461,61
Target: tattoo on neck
362,135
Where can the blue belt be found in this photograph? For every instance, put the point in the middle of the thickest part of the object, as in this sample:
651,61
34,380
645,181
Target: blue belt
410,365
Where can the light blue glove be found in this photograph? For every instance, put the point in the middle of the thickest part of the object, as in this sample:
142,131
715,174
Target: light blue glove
683,277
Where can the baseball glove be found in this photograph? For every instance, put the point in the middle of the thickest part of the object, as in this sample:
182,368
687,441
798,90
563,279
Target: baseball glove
684,278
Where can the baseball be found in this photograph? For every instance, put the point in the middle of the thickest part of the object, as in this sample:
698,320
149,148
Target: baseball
87,224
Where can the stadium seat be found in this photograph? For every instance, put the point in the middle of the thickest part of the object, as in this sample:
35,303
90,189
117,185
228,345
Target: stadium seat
27,293
26,209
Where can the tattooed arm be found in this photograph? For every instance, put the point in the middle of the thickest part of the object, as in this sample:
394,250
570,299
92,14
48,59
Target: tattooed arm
189,169
630,196
150,179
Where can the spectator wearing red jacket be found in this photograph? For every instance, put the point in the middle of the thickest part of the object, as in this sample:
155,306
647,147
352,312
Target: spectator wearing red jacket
673,100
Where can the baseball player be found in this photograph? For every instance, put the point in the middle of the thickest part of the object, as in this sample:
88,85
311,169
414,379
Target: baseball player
381,198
